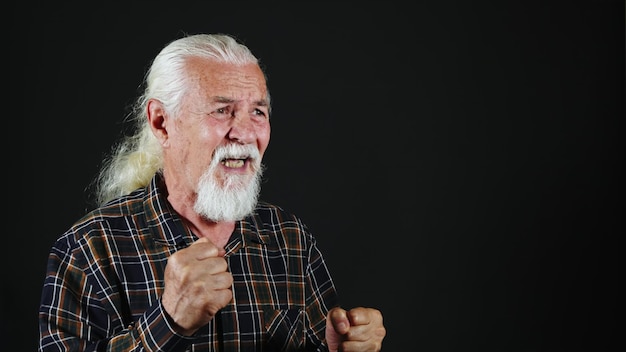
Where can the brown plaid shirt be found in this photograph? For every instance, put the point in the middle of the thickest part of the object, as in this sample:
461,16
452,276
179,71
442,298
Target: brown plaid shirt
105,278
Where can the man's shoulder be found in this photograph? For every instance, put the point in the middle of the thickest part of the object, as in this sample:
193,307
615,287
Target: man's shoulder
121,217
267,206
264,208
121,207
276,225
117,214
270,214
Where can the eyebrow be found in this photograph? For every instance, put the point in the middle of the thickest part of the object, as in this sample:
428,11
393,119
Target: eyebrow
226,100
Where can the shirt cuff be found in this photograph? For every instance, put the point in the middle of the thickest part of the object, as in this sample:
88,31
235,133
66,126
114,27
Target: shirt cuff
156,332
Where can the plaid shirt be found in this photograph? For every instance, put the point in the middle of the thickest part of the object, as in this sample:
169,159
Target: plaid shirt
105,279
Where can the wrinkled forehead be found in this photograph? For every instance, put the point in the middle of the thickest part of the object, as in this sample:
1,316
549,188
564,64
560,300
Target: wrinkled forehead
239,82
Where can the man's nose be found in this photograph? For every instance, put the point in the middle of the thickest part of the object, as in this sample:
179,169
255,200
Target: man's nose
242,128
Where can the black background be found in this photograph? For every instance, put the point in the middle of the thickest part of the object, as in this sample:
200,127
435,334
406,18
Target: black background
458,161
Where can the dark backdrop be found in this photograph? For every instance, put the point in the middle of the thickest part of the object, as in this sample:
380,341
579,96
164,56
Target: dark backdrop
458,161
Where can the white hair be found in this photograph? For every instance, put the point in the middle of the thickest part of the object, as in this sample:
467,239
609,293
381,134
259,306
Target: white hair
135,159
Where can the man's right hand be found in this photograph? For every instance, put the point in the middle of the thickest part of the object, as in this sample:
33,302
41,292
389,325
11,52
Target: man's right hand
197,286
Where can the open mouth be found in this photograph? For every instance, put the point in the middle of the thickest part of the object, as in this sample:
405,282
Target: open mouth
234,163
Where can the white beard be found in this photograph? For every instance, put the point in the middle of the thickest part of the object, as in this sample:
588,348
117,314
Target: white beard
236,196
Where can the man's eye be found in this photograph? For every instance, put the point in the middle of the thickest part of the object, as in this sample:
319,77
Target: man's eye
221,113
259,113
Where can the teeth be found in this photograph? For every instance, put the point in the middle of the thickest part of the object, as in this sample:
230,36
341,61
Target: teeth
233,163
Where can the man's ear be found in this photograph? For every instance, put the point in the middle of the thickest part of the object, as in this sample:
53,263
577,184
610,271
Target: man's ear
157,119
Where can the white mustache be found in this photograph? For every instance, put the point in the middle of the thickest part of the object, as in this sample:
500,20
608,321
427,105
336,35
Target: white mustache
236,151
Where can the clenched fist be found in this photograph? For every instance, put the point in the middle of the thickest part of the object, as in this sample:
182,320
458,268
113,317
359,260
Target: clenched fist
197,286
359,329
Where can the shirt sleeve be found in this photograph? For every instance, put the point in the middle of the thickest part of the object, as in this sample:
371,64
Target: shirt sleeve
321,296
76,313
